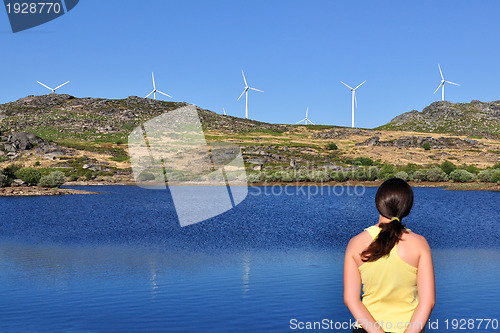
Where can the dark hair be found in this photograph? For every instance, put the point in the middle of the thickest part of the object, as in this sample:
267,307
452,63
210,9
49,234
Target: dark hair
394,198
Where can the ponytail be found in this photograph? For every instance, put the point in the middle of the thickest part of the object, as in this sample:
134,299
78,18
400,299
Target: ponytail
394,200
386,240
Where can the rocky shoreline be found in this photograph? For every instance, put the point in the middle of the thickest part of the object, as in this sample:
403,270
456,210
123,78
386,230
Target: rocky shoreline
37,191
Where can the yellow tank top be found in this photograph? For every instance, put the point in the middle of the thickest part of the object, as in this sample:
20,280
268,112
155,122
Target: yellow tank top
389,289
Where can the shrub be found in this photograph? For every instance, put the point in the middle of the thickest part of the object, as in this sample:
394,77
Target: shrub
338,176
496,166
462,176
11,169
332,146
255,177
485,175
145,176
54,179
401,175
301,175
426,146
410,168
37,163
30,176
472,169
89,174
73,178
372,173
319,176
273,176
495,178
436,175
365,161
4,180
358,174
287,176
419,176
387,171
448,167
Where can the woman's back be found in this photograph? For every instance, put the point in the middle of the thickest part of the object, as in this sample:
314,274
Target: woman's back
390,283
394,266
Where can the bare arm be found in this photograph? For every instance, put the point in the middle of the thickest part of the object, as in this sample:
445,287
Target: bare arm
352,290
426,290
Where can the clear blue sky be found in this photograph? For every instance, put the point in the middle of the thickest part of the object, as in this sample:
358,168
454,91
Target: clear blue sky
296,51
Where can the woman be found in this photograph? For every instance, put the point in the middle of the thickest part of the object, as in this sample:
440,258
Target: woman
395,267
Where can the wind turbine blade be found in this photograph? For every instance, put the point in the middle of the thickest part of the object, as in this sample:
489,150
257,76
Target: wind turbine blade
439,87
244,79
452,83
244,91
301,121
311,122
346,85
61,85
149,94
161,92
224,111
255,89
153,75
440,72
44,85
360,85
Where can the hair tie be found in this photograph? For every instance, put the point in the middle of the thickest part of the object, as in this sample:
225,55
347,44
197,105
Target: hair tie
395,219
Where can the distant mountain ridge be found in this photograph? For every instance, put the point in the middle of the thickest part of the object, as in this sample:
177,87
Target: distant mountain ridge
475,119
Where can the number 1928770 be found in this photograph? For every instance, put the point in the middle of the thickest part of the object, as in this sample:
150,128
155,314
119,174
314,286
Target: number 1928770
33,7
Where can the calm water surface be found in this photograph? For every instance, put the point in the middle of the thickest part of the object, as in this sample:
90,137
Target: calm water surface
119,262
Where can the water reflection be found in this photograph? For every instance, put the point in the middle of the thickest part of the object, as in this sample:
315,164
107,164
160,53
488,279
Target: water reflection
246,273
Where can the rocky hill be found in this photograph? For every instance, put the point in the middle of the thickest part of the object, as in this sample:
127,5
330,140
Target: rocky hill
475,119
87,137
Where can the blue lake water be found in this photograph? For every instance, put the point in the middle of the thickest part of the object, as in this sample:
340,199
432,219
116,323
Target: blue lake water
118,261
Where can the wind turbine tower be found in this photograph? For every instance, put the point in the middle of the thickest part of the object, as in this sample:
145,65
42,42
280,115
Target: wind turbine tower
354,101
53,89
155,90
245,91
306,120
441,85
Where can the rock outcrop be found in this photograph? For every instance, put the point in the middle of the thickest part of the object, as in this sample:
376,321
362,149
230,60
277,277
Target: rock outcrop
478,119
418,141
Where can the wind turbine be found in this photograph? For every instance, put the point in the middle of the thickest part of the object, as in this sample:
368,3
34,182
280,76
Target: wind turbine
53,89
354,101
441,85
305,120
155,90
224,111
246,94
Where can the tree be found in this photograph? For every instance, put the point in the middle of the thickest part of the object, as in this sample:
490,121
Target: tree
54,179
448,167
387,171
30,176
332,146
462,176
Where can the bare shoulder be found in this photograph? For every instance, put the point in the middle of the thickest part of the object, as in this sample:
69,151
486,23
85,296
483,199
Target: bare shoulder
360,241
415,240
